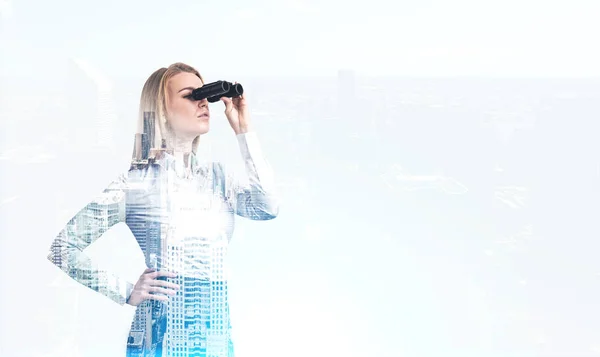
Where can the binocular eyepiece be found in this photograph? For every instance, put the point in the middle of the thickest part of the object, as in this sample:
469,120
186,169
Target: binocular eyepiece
215,90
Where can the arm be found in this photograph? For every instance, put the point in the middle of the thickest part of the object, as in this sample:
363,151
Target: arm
258,200
83,229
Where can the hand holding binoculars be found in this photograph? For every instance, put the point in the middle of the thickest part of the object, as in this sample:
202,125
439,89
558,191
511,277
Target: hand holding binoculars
215,90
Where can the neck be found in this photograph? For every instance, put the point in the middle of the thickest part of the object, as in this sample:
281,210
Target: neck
182,148
182,145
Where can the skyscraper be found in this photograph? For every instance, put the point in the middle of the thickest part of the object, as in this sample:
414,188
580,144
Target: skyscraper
195,322
91,102
99,216
199,323
346,93
147,232
81,96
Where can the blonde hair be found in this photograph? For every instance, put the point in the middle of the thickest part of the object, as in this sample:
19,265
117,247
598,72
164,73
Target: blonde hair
152,118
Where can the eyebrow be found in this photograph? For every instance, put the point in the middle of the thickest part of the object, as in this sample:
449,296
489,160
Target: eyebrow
182,89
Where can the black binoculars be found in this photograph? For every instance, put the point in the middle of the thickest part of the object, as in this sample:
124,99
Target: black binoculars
215,90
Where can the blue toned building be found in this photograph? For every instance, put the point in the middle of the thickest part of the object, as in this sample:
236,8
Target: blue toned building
195,322
198,323
97,217
148,234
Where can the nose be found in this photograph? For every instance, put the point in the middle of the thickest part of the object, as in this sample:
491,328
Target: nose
203,103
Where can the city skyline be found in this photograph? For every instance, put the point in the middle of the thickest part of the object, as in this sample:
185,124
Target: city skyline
492,137
437,162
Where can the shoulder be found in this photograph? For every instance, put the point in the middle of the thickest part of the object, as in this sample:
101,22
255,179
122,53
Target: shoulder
133,177
113,192
118,182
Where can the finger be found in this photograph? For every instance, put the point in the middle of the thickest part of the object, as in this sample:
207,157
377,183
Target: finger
156,289
151,275
228,104
156,297
156,274
164,283
169,274
238,100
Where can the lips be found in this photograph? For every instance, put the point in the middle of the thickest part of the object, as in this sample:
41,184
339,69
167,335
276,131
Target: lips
203,116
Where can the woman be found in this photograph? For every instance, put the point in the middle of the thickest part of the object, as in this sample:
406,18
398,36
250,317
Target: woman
181,211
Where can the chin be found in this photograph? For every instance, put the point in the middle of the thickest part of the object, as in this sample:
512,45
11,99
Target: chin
202,129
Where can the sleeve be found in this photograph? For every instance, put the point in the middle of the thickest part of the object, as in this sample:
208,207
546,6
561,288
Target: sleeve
97,217
259,199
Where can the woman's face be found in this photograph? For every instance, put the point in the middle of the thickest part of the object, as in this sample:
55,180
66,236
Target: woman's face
187,117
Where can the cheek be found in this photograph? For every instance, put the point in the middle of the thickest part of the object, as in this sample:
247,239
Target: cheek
179,113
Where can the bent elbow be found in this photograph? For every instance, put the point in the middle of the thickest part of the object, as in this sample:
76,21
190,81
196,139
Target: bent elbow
272,208
272,213
57,252
265,213
50,258
51,253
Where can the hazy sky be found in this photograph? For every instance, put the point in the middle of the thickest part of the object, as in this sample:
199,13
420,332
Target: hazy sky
537,38
419,294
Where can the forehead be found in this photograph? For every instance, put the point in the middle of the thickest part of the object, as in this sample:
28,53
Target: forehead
183,80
